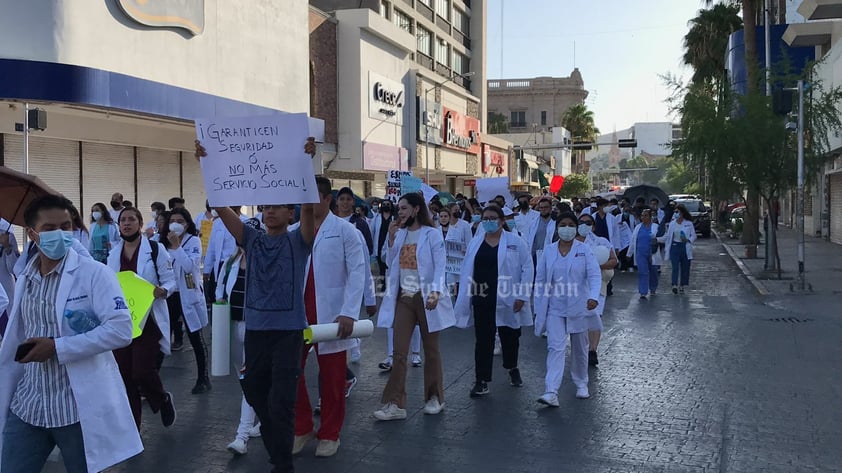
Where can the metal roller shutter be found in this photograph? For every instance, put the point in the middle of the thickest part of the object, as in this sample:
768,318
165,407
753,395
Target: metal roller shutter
192,184
835,182
13,159
56,162
158,176
106,169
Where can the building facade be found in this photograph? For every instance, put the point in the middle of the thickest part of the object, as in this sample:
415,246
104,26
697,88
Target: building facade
534,104
121,91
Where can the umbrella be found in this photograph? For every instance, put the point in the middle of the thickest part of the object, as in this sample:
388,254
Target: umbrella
446,197
647,192
18,191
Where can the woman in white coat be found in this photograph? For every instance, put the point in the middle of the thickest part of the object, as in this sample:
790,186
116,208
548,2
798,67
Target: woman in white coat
494,292
181,240
679,238
138,362
9,255
566,293
104,233
456,240
416,294
595,326
646,253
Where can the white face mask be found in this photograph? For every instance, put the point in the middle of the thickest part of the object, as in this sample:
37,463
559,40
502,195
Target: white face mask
154,216
177,228
214,214
584,230
95,216
566,233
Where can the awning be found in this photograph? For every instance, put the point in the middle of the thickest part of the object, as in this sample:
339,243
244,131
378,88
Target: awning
530,164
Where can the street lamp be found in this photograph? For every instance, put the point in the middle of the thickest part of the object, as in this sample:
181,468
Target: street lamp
464,75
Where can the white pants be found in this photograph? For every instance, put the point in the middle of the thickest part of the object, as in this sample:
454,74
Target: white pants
414,342
556,347
355,350
238,358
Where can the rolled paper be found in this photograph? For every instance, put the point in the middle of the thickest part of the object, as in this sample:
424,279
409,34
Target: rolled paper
221,340
328,332
607,274
602,254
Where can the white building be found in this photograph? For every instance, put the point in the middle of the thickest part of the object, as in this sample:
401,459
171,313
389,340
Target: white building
120,95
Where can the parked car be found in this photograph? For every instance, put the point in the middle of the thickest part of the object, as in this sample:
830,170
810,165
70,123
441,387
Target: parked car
683,197
700,213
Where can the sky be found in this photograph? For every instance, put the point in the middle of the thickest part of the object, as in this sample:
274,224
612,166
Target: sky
621,49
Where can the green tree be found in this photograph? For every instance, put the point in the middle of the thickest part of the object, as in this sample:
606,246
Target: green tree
706,43
497,123
579,121
575,185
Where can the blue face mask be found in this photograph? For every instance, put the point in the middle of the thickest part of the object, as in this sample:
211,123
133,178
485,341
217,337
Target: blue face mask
55,243
476,218
512,225
490,226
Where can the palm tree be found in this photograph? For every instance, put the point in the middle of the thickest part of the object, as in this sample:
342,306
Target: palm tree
706,43
578,120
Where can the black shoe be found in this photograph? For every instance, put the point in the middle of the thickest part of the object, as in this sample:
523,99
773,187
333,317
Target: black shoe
514,378
202,386
318,409
168,413
593,359
480,389
675,289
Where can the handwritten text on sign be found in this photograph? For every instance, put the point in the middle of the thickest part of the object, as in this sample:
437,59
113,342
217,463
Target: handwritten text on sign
393,184
455,255
257,160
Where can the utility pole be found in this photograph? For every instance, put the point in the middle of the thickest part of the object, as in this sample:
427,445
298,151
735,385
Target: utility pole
800,204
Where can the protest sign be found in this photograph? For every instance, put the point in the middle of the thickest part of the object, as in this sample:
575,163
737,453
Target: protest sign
393,184
491,187
410,183
455,255
257,160
139,298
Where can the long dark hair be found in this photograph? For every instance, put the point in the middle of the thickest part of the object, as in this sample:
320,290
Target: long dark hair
499,212
106,215
416,200
78,221
685,214
189,229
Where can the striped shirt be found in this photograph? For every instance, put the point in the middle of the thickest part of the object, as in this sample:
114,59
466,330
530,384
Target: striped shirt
43,397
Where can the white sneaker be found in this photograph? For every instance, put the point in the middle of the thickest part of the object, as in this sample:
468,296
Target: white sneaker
582,393
254,432
433,406
327,448
238,447
549,399
390,411
300,441
415,359
386,364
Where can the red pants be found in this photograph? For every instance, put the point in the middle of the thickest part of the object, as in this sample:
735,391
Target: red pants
332,368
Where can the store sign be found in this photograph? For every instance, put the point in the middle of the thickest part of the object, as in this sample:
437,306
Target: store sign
184,14
493,162
385,98
377,157
460,131
469,183
429,121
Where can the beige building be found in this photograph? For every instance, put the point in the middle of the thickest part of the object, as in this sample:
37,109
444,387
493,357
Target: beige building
538,104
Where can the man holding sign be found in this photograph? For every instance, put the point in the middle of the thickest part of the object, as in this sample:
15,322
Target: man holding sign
274,309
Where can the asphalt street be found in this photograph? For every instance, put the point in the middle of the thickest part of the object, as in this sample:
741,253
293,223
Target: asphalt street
716,380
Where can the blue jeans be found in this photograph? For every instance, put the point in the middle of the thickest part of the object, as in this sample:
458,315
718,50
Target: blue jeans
26,447
647,277
680,263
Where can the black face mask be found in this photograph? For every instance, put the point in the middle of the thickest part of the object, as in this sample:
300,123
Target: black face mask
387,210
116,204
130,238
409,222
524,205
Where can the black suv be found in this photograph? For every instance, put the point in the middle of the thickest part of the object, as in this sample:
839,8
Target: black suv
700,213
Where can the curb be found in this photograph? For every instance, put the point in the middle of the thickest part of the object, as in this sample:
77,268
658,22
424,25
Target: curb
758,286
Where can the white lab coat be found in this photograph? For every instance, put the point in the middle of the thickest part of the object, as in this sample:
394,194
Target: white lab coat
657,257
369,294
164,279
458,233
83,236
339,264
582,271
108,429
529,236
431,258
375,233
186,260
514,281
524,221
21,262
223,291
7,267
221,246
4,301
675,227
594,241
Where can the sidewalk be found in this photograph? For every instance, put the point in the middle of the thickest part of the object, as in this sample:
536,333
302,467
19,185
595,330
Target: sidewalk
822,264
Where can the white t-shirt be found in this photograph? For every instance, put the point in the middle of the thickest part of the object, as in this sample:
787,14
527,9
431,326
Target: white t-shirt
408,263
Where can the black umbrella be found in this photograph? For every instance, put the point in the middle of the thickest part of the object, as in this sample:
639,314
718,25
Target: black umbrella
647,192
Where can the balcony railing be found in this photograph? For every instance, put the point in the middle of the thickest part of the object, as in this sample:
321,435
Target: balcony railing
425,11
443,24
509,83
424,60
517,125
408,2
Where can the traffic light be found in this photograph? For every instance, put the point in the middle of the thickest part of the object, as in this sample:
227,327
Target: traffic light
782,101
627,143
